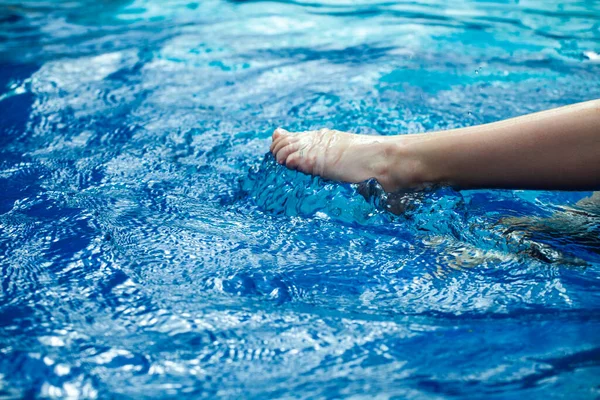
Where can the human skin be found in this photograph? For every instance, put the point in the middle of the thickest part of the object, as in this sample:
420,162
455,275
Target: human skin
558,149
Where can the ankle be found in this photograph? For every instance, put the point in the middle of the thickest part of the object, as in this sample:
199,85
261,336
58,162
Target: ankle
408,167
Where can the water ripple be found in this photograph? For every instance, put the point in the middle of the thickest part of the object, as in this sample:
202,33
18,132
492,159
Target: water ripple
148,244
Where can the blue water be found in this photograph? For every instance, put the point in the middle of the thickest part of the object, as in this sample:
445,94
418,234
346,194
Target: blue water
151,248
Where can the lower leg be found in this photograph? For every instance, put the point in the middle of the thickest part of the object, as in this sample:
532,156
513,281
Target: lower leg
555,149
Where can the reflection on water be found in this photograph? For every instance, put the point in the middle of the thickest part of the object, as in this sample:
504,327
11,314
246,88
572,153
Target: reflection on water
149,244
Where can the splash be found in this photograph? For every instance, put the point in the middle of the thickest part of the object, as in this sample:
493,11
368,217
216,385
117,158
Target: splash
278,190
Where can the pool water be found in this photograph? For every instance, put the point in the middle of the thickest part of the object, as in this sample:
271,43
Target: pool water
150,247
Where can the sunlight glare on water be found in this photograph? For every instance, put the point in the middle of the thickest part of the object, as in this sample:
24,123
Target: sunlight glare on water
150,246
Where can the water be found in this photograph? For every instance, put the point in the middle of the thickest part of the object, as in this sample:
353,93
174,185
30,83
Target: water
149,246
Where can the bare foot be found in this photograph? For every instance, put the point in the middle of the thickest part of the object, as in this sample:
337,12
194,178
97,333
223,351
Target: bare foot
347,157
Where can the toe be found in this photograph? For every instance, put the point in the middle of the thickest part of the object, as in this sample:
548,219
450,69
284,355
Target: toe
293,160
279,132
278,136
274,143
281,143
283,154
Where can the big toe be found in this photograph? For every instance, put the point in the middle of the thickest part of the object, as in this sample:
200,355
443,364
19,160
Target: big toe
279,132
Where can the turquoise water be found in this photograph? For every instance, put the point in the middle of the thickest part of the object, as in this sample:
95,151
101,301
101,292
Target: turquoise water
150,247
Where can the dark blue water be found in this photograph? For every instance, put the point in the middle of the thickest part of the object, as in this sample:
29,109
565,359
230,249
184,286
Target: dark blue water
150,248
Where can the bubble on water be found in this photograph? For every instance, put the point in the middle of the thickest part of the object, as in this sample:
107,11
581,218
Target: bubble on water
592,56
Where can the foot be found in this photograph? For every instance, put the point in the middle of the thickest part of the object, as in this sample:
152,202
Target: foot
347,157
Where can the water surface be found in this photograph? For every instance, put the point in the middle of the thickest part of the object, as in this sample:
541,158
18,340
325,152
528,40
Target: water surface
150,247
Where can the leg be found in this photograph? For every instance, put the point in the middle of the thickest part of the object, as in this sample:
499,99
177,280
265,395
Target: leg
555,150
